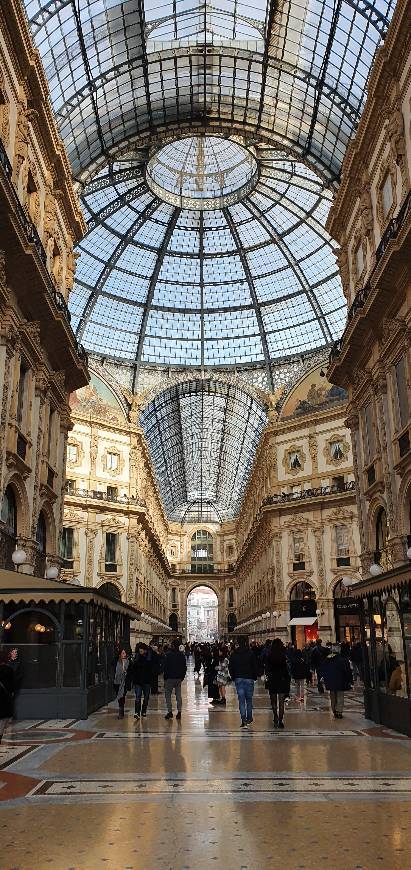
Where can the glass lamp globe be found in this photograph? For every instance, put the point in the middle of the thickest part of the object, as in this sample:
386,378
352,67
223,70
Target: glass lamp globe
52,572
409,553
375,569
347,581
19,557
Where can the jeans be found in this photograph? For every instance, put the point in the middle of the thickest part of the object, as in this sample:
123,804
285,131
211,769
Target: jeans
169,685
145,692
299,688
245,691
337,701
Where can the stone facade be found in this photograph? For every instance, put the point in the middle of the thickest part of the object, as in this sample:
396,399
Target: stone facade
372,361
298,520
40,360
115,530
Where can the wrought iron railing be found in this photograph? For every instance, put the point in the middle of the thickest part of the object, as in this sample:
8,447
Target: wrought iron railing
313,492
33,238
104,496
390,233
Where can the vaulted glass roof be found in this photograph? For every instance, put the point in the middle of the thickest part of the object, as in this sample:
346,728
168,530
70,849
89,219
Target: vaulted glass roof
202,437
291,70
254,281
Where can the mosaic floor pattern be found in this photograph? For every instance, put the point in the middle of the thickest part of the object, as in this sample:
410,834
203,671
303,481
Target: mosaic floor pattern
201,792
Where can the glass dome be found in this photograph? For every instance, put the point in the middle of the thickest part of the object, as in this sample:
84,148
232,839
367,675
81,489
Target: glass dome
202,172
254,281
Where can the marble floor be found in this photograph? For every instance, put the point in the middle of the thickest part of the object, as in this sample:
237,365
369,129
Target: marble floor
202,793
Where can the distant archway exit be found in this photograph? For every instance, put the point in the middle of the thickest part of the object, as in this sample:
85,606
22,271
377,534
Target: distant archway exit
202,615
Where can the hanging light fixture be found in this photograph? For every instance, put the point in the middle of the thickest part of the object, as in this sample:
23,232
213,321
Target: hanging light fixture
52,572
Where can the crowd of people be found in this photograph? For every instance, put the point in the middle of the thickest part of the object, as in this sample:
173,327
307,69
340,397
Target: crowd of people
283,668
328,667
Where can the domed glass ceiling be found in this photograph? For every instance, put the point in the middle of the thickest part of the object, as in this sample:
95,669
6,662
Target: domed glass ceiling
249,282
163,106
202,172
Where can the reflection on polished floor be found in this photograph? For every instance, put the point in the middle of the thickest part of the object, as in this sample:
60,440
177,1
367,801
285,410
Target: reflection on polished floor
202,793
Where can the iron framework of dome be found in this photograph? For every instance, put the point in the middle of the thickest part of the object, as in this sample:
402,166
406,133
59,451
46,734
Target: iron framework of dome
255,279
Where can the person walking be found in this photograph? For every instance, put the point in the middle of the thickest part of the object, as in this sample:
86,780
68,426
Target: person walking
317,657
120,681
299,673
278,680
243,671
175,669
337,675
140,676
223,674
155,667
6,691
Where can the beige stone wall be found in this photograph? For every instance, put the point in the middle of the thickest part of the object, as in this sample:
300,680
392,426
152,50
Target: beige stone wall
284,506
111,490
40,219
373,360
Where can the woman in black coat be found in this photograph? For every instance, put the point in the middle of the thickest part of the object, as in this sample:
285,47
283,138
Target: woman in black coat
278,680
6,691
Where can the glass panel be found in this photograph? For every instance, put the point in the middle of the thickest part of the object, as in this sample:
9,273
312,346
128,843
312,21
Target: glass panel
72,665
396,680
73,621
405,598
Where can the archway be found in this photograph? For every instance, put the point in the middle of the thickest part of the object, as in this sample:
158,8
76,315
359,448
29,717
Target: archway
110,589
202,614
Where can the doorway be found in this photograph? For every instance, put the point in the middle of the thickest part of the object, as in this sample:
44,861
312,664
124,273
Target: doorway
202,615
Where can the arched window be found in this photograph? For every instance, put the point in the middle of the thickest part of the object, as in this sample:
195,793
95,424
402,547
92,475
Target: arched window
202,554
41,534
9,511
302,591
341,591
381,536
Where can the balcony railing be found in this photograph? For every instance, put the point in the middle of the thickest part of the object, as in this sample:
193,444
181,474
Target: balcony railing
97,495
390,233
33,238
315,492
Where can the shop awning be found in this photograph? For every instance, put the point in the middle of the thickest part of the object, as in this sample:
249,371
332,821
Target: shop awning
16,587
303,620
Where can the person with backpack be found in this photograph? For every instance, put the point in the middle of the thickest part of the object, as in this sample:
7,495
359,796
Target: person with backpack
337,675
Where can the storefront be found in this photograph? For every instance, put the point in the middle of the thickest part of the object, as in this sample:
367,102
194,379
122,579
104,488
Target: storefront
385,612
68,638
303,614
346,615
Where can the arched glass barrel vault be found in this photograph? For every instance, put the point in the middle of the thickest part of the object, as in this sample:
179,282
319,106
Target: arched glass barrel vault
228,261
202,437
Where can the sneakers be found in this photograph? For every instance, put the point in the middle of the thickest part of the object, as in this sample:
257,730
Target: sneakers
137,715
178,716
144,715
275,721
168,716
250,721
281,724
243,724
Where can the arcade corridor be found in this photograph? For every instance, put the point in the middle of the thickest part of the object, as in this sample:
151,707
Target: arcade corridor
202,793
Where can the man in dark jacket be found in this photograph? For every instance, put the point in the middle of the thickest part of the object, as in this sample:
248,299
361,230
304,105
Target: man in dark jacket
175,669
140,676
337,676
243,671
